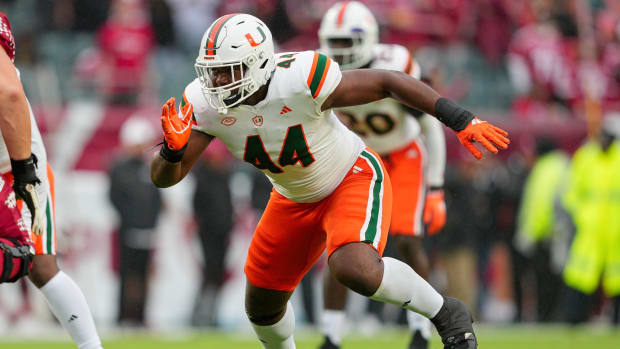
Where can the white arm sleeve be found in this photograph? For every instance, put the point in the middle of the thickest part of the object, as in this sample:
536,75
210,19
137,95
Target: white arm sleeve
435,142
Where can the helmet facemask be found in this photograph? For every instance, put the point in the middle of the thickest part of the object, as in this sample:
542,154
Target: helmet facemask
241,85
241,48
347,51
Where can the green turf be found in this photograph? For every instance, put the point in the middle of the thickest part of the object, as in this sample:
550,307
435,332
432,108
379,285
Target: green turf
489,338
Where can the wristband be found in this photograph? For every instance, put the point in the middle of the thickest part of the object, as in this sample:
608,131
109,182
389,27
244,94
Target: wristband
171,155
25,170
453,116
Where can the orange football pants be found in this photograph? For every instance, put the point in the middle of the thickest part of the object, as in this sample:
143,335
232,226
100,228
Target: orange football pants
291,236
406,170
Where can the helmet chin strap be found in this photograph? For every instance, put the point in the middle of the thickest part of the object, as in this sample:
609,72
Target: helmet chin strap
232,99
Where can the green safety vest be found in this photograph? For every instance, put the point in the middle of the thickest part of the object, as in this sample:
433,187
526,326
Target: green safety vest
540,191
593,198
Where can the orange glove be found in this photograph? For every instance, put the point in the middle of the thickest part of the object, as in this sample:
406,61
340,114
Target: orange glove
434,211
176,129
484,133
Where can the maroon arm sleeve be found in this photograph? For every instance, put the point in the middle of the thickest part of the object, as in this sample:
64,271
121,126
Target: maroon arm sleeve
6,36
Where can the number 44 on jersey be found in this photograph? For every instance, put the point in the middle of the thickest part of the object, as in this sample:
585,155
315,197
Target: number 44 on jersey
294,150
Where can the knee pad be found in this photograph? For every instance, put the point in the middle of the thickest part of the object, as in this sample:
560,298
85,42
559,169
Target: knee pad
15,259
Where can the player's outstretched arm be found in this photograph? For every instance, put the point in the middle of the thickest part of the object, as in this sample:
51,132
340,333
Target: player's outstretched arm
14,113
16,131
181,148
368,85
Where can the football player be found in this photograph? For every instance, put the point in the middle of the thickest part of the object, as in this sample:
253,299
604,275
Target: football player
330,190
26,175
349,34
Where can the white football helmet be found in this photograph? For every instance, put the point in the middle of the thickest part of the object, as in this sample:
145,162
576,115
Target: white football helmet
348,34
239,42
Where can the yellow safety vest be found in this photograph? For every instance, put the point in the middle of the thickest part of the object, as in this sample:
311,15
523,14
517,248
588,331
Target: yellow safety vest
540,191
593,198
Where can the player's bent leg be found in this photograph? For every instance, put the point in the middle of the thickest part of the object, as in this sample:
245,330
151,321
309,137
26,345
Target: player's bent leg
333,316
44,268
358,266
66,301
287,242
347,264
271,316
396,283
402,286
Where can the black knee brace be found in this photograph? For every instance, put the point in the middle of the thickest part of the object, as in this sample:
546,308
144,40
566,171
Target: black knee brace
16,259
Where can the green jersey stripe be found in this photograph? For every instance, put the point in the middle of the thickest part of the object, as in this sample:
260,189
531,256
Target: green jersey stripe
318,73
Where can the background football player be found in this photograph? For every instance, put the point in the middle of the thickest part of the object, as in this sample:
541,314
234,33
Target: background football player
32,181
407,140
330,190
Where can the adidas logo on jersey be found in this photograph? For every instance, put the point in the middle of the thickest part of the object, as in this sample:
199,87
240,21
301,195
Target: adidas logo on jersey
357,169
285,110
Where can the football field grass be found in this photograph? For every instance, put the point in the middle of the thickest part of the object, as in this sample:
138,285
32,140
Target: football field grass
522,337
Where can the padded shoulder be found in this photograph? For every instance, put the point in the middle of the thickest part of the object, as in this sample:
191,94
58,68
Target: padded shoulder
320,74
395,57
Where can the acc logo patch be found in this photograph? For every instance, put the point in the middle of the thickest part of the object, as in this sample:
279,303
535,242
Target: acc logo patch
228,121
258,120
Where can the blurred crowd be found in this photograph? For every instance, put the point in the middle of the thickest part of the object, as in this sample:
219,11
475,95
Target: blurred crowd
526,232
532,57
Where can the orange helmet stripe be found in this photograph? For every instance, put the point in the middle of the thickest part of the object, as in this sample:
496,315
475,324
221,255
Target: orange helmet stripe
215,31
341,13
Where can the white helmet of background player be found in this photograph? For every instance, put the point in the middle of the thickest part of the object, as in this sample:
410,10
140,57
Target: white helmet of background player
353,23
239,42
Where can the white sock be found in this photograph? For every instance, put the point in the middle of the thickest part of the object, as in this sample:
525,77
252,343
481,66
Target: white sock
68,304
418,322
404,287
280,334
331,324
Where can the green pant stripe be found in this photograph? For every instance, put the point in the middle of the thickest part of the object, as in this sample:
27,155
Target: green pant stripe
375,212
50,227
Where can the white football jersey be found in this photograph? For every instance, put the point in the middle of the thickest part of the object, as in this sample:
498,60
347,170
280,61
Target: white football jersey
305,152
385,125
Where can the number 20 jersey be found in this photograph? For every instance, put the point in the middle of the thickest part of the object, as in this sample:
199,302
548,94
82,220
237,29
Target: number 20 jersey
305,152
385,125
